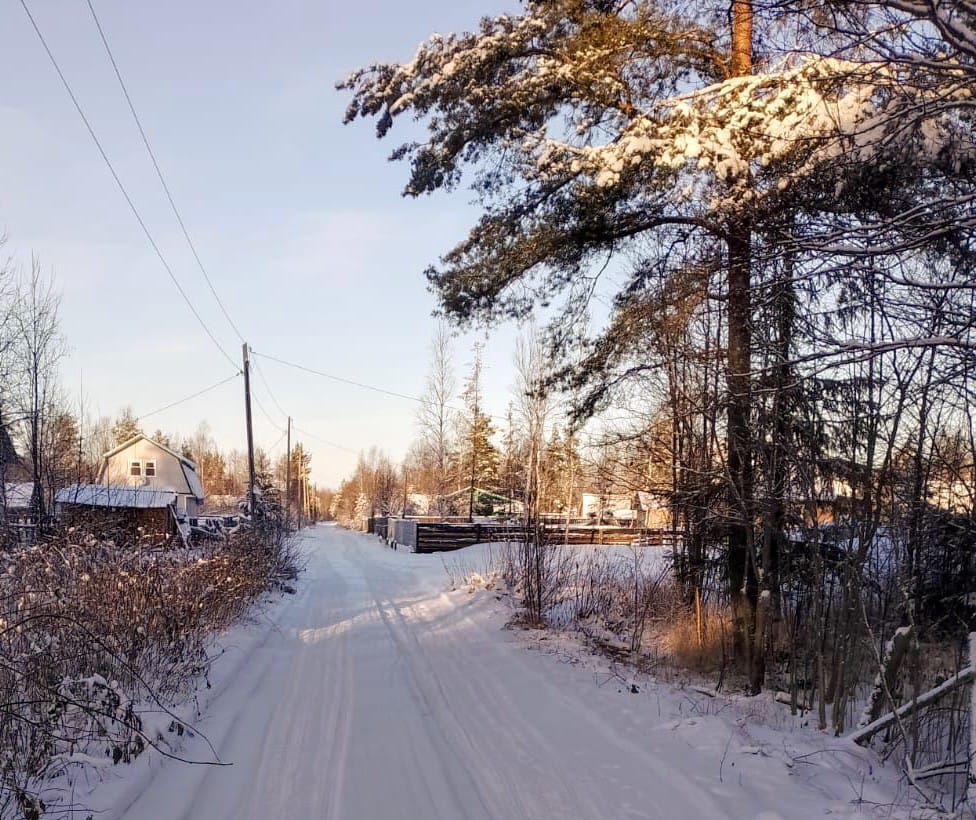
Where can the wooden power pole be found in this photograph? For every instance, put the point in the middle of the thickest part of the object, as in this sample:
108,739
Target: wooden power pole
250,431
301,487
288,478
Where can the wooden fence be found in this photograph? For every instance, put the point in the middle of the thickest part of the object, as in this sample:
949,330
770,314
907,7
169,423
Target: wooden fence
428,536
378,526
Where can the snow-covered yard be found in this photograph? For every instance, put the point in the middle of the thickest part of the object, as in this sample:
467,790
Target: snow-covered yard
377,693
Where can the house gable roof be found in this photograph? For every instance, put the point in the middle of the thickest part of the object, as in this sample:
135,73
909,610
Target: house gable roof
125,445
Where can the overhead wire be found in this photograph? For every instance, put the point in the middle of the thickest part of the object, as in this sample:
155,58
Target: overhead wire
120,184
159,173
267,386
325,440
327,376
188,398
340,379
267,415
363,385
295,427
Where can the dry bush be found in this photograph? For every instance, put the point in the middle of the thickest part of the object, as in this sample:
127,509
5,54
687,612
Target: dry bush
689,645
91,631
625,605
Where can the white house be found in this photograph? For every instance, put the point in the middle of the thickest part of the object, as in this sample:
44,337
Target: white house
141,462
600,507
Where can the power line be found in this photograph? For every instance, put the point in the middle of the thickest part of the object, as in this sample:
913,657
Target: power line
324,440
365,386
267,386
267,415
118,182
340,379
285,413
188,398
264,409
159,173
274,446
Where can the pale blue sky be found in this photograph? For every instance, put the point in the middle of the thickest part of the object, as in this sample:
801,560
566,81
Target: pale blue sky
297,218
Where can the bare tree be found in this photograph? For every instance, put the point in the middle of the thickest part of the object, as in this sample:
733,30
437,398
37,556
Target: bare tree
436,417
534,405
39,347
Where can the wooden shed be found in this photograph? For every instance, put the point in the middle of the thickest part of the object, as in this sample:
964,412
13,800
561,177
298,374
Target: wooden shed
134,510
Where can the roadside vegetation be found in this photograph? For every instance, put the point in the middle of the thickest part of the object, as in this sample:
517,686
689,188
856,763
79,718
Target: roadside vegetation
100,641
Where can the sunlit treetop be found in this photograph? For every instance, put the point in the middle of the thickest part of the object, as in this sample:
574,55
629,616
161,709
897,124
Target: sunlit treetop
588,126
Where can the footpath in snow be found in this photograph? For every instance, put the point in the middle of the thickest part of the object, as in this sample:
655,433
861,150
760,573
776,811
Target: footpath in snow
377,694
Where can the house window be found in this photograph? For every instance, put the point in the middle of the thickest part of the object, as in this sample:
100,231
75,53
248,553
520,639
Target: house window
135,468
150,469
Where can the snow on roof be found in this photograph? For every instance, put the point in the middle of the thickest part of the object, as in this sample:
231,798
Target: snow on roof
192,479
18,494
97,495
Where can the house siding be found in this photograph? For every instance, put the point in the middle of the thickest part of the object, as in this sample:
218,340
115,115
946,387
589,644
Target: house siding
171,473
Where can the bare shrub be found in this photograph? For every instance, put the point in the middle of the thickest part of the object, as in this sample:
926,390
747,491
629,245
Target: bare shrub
98,639
689,646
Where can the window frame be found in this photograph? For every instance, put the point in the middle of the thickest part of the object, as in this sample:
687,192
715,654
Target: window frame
135,468
147,465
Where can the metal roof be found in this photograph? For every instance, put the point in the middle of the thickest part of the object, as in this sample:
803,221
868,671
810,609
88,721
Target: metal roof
98,495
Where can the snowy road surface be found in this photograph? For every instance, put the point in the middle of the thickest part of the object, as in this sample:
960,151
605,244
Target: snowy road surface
380,695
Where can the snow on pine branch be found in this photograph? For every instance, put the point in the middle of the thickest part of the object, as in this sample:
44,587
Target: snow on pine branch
565,94
568,66
748,135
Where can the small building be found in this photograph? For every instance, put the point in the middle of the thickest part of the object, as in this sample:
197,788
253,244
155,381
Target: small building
143,463
419,504
143,510
486,502
16,506
605,509
653,512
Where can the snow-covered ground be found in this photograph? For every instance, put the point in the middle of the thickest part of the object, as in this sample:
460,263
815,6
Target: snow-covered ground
377,693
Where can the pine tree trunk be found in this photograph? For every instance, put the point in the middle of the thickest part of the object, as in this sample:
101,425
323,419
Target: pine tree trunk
744,590
741,563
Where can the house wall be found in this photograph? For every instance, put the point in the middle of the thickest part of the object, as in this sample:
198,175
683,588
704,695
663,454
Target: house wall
169,471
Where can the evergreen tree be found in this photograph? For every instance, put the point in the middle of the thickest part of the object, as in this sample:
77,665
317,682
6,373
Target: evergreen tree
477,461
125,427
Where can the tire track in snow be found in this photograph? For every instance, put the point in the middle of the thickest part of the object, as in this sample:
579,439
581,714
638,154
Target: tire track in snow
381,697
457,778
509,799
658,768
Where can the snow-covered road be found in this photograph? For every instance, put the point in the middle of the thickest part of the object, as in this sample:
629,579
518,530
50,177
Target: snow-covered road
380,695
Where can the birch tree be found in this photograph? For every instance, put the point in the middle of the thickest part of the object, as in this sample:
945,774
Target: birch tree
436,416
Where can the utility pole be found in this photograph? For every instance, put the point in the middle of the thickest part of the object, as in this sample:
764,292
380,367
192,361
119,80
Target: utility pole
288,478
301,488
250,432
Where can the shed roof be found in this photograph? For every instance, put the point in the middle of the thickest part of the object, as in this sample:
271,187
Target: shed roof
98,495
